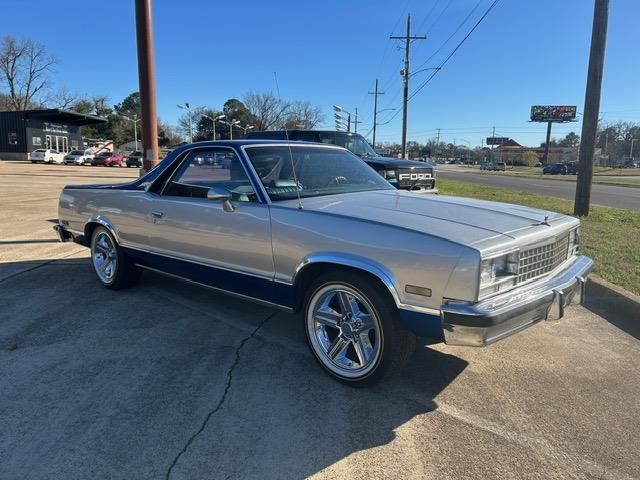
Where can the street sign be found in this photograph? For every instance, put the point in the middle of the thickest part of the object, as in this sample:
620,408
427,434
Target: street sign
497,140
553,113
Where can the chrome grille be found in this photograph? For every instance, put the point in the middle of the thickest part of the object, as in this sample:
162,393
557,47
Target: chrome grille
536,261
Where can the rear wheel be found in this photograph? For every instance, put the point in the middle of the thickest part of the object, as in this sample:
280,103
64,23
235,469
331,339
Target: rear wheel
110,263
352,328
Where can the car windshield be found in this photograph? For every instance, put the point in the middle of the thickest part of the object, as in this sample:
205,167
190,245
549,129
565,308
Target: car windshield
104,154
40,150
77,152
312,171
354,143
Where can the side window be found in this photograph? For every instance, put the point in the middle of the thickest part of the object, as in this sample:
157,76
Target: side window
306,137
205,169
328,138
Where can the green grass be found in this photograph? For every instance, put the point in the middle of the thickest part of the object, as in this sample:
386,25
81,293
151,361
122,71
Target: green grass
604,175
611,236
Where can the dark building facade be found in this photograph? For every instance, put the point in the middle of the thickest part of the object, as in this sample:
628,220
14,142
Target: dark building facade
24,131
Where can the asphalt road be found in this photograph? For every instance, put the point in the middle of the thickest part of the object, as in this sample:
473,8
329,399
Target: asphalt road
608,195
167,380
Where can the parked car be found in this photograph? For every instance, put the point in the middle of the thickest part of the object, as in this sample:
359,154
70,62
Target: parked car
135,159
402,174
494,166
79,157
554,169
311,228
46,156
631,164
571,168
108,159
487,166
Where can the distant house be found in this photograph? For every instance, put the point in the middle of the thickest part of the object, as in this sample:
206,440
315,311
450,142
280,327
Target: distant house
24,131
130,146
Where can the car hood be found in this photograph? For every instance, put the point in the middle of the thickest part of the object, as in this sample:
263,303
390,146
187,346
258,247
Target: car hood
396,162
477,223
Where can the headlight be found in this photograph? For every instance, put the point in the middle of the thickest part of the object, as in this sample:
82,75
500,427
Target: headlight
498,273
390,175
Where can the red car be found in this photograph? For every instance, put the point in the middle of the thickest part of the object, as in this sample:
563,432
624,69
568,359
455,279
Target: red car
108,159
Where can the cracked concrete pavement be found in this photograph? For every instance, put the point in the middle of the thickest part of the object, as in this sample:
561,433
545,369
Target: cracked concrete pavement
167,380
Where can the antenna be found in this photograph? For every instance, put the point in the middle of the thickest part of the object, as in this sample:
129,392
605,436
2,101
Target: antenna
286,132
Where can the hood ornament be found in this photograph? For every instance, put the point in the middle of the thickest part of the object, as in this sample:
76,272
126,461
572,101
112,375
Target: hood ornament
545,221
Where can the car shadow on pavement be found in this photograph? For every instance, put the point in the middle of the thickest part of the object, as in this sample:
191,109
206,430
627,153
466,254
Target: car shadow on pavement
37,240
605,308
171,380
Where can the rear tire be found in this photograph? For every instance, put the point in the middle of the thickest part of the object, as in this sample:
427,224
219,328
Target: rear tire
113,268
353,329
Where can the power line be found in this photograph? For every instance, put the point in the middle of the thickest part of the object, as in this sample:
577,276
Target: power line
444,62
452,35
451,54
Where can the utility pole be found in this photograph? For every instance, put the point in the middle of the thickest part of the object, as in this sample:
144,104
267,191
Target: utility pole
591,107
375,110
438,145
147,81
545,158
356,122
631,150
405,78
493,134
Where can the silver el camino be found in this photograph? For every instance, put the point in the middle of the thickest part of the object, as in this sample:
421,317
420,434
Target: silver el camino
311,228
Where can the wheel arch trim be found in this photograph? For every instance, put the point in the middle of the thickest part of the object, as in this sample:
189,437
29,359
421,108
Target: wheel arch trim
353,261
103,221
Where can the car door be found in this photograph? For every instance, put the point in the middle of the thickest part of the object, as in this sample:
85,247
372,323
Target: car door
229,248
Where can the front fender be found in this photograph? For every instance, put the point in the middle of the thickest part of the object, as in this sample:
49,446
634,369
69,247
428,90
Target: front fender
342,259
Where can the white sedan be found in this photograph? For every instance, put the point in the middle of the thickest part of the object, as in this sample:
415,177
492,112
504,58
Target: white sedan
79,157
46,156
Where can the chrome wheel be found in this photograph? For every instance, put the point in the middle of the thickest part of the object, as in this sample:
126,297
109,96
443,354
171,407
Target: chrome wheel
105,257
344,330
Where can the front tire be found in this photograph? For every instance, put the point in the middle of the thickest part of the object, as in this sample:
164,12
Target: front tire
352,328
113,268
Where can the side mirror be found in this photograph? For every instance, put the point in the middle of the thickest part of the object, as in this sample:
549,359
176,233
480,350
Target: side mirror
221,195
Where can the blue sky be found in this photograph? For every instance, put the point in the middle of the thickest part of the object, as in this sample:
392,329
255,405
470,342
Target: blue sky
525,52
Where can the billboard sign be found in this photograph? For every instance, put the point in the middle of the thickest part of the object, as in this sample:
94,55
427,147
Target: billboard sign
553,113
497,140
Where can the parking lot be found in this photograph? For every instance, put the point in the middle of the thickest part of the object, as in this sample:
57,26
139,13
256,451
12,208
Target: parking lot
167,380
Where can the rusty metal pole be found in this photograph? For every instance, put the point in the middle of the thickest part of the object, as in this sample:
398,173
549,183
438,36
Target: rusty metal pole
147,80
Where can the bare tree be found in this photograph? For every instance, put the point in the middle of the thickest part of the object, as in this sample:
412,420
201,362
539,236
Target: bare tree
62,98
269,111
303,115
24,65
183,121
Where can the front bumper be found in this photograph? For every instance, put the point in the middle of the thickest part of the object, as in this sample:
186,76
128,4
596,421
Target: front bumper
498,317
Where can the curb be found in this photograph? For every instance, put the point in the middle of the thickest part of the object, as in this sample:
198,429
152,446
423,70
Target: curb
613,297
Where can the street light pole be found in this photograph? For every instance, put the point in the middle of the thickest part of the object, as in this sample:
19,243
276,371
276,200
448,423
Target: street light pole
213,122
631,151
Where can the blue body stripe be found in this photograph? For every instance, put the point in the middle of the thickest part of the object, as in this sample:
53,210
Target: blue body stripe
234,282
421,324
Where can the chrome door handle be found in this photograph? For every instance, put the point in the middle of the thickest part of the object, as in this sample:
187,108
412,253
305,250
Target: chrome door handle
156,214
